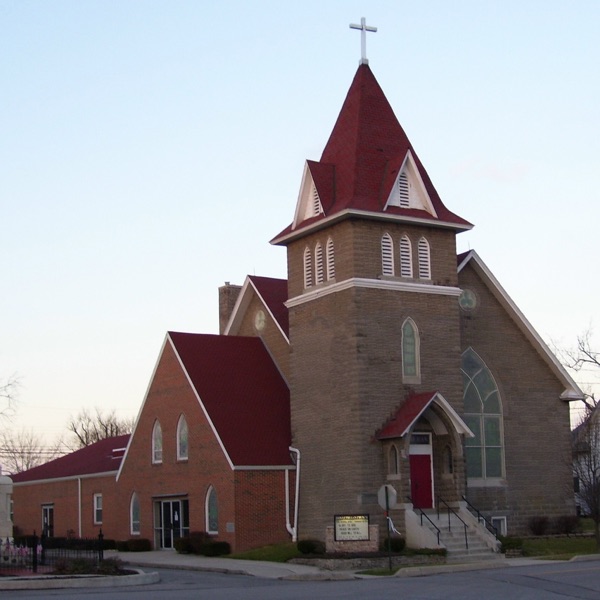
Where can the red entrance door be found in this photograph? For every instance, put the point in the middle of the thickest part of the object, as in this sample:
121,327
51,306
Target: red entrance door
421,489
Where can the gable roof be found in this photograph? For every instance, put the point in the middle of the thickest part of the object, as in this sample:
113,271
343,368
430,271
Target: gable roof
410,411
361,161
272,293
471,258
103,457
242,394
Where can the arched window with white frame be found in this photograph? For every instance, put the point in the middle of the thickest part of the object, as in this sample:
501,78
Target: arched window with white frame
330,260
319,267
393,460
157,443
182,438
387,255
211,511
307,268
406,268
424,259
134,514
411,362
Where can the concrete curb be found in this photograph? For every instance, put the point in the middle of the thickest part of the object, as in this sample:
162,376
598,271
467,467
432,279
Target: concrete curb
53,582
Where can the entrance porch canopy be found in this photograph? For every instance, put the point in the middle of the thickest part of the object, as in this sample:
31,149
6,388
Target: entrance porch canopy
413,408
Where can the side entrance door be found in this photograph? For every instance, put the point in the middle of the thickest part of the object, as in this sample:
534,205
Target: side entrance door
172,518
421,472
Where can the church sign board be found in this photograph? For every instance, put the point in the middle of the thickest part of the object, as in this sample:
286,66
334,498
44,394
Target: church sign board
351,528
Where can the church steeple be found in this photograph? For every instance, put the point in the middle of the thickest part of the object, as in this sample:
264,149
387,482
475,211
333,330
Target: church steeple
366,159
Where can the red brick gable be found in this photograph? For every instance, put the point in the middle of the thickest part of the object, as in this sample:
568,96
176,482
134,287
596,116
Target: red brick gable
243,393
274,293
363,157
104,456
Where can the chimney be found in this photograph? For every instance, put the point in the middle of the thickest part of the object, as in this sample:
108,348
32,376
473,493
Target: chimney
228,295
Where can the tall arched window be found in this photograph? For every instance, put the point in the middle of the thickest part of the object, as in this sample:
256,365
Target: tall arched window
411,368
307,268
182,439
424,259
393,460
134,514
406,269
319,270
387,254
330,260
483,415
157,447
211,511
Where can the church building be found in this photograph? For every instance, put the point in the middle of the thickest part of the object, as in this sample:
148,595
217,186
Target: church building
384,359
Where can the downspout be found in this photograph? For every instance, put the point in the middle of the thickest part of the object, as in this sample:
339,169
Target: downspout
292,530
79,505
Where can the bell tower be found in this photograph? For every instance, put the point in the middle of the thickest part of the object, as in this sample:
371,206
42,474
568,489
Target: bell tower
373,310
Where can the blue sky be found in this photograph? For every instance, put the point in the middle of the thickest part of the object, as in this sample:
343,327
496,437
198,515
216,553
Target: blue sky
149,150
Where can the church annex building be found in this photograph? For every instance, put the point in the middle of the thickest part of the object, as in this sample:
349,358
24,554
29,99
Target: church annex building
384,358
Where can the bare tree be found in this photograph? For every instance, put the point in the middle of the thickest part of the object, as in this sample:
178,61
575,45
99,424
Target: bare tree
9,389
23,450
88,428
586,467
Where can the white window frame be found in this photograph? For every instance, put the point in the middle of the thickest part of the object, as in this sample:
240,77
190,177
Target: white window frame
97,509
424,253
387,255
134,524
180,425
416,376
157,443
406,266
330,253
500,524
209,494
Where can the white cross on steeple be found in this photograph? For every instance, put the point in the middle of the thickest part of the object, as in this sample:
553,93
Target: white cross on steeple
363,27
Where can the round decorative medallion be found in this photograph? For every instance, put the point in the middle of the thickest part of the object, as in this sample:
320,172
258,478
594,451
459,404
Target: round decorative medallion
467,300
259,320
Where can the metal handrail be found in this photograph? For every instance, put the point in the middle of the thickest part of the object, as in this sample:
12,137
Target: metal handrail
451,510
490,527
425,515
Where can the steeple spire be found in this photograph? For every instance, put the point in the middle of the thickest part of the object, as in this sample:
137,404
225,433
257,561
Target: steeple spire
363,27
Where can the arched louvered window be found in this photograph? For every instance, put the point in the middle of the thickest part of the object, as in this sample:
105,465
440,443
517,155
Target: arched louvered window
307,268
424,259
330,260
319,268
182,439
316,202
403,190
483,415
387,255
157,445
410,351
134,514
406,269
211,511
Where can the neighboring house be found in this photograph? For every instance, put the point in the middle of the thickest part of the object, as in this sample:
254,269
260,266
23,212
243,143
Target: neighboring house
384,358
586,464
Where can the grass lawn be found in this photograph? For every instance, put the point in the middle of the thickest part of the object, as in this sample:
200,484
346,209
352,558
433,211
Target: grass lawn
559,548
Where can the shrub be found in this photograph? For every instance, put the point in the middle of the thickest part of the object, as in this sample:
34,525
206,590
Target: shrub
510,543
566,524
538,525
397,544
197,540
121,546
110,566
139,545
311,547
216,548
183,545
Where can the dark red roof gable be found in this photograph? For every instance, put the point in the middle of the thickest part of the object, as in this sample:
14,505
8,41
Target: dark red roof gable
104,456
245,396
406,415
274,292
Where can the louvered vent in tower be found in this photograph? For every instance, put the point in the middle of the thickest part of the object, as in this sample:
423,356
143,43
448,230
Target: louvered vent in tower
316,202
319,263
387,254
403,190
405,257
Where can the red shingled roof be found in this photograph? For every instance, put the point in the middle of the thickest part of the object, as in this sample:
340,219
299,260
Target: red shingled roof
102,457
274,292
407,414
244,394
363,156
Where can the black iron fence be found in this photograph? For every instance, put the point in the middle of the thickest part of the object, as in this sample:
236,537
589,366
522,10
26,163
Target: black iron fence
40,554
